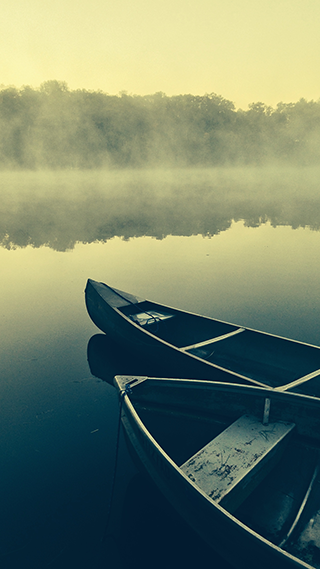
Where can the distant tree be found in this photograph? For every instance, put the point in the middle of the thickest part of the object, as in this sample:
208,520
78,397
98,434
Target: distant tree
54,127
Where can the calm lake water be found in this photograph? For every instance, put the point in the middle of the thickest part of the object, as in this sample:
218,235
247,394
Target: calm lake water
239,245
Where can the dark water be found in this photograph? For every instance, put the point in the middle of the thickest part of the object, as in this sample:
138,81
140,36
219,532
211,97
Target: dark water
242,246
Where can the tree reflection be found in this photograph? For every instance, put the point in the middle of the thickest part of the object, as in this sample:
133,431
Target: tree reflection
58,210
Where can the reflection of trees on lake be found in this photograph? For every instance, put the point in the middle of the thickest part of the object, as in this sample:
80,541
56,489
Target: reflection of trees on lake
54,127
61,209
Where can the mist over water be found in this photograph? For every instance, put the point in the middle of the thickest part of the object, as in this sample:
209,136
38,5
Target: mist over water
59,209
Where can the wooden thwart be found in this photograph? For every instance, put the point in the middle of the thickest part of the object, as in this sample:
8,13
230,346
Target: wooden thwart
229,467
299,381
212,340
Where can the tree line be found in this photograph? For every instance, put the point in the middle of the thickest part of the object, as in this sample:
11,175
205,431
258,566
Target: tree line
55,128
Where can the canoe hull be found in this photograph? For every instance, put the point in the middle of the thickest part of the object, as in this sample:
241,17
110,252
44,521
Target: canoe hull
166,359
182,344
234,541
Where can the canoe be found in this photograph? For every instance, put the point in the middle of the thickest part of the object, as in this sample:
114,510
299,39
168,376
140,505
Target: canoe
186,345
240,464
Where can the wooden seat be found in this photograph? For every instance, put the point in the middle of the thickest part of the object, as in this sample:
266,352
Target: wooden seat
229,467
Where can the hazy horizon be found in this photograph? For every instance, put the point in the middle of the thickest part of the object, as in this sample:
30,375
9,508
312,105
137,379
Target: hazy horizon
245,50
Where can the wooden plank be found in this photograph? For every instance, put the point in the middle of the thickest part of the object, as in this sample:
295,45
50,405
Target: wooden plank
229,467
212,340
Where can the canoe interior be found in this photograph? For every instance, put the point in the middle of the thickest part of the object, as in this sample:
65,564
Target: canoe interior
269,359
183,421
182,329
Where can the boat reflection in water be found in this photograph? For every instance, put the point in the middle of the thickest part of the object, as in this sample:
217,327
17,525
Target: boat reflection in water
143,528
156,536
107,359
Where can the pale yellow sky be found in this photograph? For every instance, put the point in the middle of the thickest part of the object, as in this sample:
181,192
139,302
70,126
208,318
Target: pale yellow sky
244,50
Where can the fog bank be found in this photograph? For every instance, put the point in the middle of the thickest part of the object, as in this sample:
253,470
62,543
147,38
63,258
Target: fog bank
56,128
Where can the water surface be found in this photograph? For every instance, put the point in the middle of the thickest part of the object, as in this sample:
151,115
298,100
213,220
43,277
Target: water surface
242,246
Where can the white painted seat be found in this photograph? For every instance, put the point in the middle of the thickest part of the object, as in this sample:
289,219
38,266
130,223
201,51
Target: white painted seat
229,467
